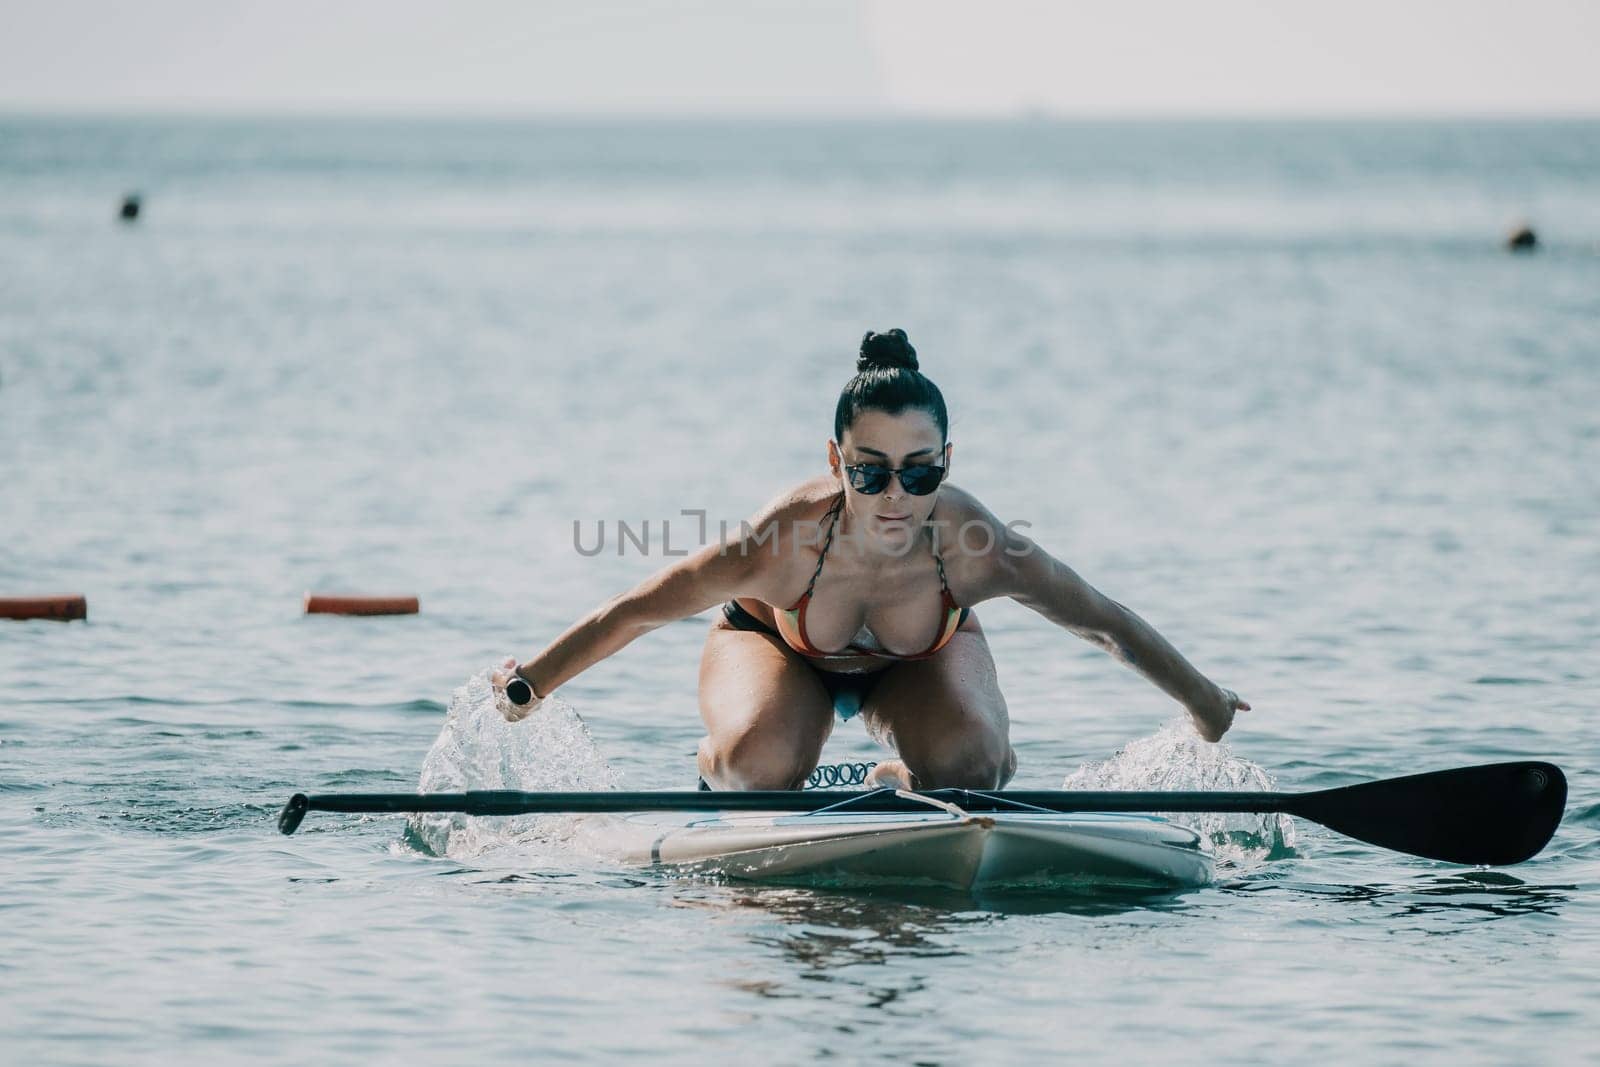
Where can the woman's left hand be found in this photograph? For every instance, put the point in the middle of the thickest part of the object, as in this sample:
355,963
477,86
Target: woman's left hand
1212,719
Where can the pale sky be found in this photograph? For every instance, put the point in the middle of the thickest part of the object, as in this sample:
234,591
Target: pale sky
804,57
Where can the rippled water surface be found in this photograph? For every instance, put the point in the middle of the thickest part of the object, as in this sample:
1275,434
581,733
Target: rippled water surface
1273,386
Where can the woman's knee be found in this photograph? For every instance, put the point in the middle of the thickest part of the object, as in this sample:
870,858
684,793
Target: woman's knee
756,758
974,759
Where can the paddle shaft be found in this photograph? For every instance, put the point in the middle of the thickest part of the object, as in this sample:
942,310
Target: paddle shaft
508,802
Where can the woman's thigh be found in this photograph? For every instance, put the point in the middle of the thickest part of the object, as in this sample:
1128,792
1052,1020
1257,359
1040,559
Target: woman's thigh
766,712
945,715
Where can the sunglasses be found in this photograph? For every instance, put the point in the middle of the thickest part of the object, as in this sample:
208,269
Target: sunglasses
871,479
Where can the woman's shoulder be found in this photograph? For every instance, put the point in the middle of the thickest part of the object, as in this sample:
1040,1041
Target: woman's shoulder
959,508
788,527
976,545
774,549
808,502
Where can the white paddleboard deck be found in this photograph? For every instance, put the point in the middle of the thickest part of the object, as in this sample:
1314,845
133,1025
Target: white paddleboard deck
951,848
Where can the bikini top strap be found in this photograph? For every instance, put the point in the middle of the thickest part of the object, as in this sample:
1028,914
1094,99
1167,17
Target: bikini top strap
938,561
832,516
944,586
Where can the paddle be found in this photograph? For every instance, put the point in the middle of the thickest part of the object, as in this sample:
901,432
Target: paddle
1496,814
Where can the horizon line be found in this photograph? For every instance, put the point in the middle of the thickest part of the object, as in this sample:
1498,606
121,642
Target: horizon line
1040,115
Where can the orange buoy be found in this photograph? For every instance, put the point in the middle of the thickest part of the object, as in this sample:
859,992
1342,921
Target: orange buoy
349,604
64,607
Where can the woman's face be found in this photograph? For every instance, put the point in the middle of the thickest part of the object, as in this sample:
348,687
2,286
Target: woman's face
907,439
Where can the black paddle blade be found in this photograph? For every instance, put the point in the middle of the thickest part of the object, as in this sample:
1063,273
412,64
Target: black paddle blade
293,812
1497,814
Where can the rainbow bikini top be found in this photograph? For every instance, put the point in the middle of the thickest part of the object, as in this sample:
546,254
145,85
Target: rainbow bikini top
791,622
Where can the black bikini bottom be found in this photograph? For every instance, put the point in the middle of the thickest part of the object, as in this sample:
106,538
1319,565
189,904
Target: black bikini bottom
847,691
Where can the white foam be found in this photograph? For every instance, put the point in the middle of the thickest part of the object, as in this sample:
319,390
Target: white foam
478,749
1175,758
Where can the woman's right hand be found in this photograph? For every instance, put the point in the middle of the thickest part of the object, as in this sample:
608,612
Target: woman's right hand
498,680
1212,719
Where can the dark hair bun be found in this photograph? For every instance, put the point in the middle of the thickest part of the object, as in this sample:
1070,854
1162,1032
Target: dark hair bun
892,349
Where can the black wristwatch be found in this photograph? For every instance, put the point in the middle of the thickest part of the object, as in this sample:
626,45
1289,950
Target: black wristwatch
518,691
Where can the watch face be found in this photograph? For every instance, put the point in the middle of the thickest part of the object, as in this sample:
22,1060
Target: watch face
518,691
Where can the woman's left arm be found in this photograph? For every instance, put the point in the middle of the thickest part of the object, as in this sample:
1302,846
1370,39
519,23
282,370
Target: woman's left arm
1029,575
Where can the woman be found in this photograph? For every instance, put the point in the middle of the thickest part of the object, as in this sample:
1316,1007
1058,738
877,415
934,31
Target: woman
853,591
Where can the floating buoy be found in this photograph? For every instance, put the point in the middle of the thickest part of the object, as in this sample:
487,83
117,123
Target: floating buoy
349,604
64,607
1521,238
130,207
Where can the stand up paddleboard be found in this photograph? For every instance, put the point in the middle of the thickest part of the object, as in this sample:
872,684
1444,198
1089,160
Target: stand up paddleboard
944,845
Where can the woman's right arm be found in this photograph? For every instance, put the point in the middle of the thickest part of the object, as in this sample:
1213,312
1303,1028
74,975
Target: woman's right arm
740,566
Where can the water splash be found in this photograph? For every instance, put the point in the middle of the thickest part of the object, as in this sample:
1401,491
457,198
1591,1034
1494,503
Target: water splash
478,749
1175,758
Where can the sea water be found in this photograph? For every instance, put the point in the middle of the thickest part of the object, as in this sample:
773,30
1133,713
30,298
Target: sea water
1274,386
